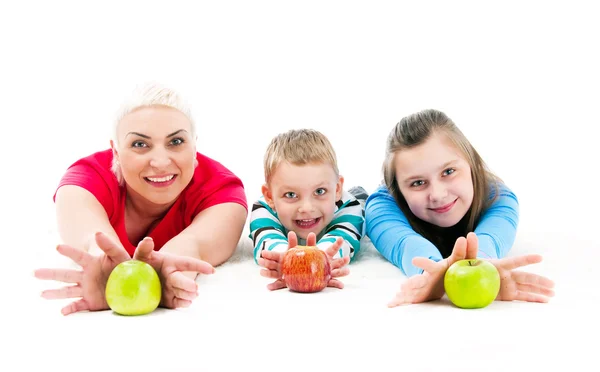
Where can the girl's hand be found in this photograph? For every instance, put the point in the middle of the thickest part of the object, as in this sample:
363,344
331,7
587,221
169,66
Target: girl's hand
519,285
178,290
429,285
90,282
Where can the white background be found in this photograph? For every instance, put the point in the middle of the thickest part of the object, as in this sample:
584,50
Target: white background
520,79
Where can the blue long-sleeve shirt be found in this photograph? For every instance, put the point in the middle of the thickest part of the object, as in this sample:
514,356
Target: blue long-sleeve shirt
391,233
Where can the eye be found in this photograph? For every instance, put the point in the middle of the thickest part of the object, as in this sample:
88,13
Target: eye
448,171
139,144
289,195
417,183
320,191
177,141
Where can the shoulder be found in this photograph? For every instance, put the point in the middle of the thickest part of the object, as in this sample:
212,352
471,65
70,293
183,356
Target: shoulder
213,183
499,190
93,173
380,193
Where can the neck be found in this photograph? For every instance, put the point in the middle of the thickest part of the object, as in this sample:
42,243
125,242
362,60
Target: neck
143,208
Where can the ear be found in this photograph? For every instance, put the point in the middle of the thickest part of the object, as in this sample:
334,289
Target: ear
114,150
268,195
339,187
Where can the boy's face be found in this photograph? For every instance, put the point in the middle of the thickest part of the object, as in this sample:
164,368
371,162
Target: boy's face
304,196
435,180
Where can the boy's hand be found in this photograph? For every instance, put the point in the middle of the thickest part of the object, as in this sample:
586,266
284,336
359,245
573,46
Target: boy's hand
271,261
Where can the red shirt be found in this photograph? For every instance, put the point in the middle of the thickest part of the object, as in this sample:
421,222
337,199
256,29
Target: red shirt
211,184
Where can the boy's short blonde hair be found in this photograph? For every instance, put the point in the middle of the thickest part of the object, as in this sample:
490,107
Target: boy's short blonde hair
299,147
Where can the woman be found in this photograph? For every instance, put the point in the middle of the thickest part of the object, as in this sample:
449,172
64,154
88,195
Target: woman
151,197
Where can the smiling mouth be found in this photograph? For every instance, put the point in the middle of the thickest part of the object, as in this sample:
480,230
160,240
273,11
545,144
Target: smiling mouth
307,223
161,181
444,208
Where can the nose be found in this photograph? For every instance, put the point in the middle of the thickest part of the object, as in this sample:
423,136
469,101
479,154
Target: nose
305,206
437,192
160,159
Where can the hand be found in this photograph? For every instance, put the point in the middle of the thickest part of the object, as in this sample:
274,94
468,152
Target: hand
429,285
90,282
519,285
271,261
178,290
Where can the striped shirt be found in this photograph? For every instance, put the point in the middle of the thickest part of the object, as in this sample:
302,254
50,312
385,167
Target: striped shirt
267,232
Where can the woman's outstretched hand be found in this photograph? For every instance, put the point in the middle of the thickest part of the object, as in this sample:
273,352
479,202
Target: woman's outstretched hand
178,290
89,283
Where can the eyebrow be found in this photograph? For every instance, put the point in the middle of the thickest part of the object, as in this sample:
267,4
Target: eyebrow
318,186
442,167
148,137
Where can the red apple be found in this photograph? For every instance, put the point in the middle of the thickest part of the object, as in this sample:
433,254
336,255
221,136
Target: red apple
305,269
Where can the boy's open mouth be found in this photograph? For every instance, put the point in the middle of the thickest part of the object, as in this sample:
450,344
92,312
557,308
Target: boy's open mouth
307,223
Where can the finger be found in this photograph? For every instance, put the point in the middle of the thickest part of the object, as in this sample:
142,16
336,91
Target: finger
181,303
334,248
514,262
459,252
472,246
144,249
531,297
339,262
311,239
271,255
73,307
278,284
334,283
292,239
61,275
178,280
116,252
425,264
528,278
534,289
77,255
184,263
271,274
65,292
399,300
185,295
338,273
268,264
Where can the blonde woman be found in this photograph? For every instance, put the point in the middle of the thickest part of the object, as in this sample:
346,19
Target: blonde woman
151,196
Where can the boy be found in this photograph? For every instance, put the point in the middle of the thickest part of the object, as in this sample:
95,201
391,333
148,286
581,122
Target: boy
303,194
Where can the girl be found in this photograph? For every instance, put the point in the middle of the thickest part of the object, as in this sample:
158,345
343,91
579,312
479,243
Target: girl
437,191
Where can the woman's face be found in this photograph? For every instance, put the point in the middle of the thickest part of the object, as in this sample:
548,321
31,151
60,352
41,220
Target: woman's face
435,179
156,153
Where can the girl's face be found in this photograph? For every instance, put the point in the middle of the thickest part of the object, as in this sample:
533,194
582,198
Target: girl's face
156,153
435,179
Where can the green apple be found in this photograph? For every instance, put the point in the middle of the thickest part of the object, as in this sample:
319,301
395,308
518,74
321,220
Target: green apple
472,283
133,288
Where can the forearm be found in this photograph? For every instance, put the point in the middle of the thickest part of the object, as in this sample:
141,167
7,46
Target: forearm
266,231
497,228
392,235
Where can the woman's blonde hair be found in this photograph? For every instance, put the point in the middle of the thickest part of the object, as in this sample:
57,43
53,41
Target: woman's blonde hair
299,147
414,130
145,95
